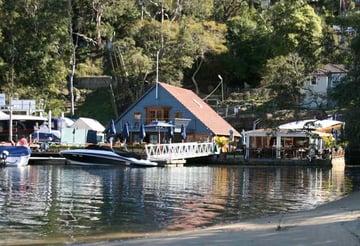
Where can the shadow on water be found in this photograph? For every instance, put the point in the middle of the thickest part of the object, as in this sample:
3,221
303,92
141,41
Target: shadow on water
70,202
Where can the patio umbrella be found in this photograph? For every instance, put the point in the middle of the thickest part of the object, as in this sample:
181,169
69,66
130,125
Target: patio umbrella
183,132
111,132
170,133
142,133
112,129
125,132
159,125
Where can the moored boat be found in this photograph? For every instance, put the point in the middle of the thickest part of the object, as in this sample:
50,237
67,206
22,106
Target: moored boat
98,155
14,155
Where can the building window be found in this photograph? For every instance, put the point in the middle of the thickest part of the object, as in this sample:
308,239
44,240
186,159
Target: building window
157,114
151,116
313,81
166,115
335,80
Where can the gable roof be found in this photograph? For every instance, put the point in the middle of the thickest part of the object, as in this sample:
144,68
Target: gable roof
331,69
88,124
200,109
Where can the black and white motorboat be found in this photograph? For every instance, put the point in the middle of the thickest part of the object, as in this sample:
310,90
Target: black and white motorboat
99,155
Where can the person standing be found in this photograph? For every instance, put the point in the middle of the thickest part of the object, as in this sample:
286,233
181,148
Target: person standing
23,141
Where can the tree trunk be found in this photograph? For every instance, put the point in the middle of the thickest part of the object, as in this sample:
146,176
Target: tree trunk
73,59
194,74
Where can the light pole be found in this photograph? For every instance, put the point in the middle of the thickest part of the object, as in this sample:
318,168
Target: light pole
222,87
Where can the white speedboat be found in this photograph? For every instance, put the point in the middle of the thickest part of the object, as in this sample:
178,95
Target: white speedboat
98,155
14,155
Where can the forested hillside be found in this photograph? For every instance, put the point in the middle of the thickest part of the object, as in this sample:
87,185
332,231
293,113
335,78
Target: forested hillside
46,45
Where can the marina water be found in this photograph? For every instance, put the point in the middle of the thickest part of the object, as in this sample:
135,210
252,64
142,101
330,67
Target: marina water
63,201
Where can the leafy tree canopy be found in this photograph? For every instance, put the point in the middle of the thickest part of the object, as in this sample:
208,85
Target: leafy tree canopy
46,44
296,28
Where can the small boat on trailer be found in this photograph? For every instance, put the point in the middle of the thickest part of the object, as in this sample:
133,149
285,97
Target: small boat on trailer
14,156
99,155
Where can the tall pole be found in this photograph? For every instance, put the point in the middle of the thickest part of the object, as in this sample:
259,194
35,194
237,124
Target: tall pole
49,121
10,122
157,75
73,59
222,87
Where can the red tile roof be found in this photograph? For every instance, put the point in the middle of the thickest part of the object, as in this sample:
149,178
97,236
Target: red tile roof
201,110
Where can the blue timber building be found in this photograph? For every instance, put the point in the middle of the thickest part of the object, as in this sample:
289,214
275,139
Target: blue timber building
177,106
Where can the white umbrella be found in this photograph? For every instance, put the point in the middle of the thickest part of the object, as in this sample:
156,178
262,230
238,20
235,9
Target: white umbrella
142,133
159,125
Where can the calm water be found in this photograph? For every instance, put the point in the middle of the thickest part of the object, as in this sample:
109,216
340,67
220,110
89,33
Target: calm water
40,202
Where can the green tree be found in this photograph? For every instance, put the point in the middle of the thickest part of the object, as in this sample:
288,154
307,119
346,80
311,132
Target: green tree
249,48
130,70
284,75
204,39
174,10
347,93
179,45
296,28
227,9
33,50
96,27
337,38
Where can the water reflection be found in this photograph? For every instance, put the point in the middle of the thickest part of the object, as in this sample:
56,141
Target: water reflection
51,201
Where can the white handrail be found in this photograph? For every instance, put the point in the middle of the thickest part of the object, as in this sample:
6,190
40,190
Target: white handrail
178,151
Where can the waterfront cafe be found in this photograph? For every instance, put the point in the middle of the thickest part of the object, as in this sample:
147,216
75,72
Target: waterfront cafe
294,140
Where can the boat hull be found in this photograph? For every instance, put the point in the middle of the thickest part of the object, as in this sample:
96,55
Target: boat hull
14,155
101,157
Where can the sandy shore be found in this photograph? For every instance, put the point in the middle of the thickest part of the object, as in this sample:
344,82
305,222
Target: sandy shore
335,223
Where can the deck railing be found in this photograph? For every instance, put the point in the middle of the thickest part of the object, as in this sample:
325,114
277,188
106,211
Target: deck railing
285,153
